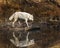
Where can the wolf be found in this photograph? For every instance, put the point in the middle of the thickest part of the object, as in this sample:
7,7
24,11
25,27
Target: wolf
20,43
21,15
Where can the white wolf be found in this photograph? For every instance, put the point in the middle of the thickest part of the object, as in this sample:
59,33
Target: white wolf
21,15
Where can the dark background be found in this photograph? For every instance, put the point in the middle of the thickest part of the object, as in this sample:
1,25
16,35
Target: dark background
46,33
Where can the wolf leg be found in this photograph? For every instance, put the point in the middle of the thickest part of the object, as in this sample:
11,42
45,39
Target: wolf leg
27,22
19,22
14,22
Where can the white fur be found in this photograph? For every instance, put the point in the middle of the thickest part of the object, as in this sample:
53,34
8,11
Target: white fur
21,15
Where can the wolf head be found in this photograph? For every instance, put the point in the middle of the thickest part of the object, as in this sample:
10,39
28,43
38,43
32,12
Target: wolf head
31,17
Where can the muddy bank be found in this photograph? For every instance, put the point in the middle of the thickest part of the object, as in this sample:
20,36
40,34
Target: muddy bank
44,36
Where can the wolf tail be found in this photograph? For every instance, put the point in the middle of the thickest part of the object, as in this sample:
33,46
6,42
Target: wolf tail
11,17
